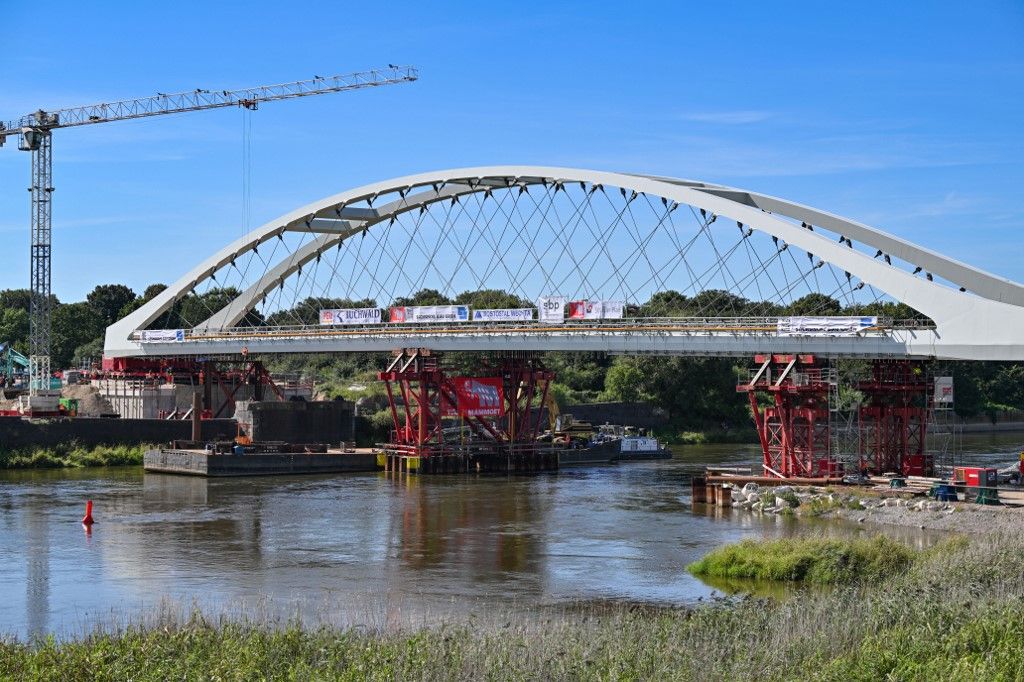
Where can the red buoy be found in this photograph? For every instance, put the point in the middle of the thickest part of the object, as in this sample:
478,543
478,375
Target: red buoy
87,519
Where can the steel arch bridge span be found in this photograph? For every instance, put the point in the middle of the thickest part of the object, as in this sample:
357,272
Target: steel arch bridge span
976,315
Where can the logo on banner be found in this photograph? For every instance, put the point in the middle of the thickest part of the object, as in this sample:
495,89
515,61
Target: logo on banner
479,397
551,309
585,310
397,315
503,315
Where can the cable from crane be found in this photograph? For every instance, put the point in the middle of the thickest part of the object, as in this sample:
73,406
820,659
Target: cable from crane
246,169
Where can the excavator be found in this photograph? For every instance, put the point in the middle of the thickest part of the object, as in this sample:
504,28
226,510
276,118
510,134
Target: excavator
13,371
565,429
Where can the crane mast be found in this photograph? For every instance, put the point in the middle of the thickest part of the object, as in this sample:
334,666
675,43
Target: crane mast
35,136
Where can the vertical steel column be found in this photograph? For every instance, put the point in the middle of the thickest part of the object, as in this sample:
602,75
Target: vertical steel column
39,144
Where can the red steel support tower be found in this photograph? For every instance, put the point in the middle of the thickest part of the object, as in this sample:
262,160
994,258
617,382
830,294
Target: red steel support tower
794,430
421,394
893,419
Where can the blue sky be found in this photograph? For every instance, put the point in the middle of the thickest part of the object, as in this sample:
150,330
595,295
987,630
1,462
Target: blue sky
906,116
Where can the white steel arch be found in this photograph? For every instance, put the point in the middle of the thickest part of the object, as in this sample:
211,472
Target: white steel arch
986,323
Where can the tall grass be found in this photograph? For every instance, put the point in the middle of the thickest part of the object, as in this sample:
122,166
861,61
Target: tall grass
815,560
952,614
73,455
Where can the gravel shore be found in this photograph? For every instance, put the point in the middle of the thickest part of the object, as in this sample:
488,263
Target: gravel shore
857,505
957,517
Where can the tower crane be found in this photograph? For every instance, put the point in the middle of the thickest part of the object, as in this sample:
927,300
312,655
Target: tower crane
35,136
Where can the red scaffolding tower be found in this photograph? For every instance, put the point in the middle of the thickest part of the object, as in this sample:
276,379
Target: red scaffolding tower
794,430
893,418
422,394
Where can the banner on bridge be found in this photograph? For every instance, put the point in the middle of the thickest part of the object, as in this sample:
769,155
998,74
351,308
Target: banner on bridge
551,309
503,315
596,310
163,335
824,326
430,313
479,397
333,316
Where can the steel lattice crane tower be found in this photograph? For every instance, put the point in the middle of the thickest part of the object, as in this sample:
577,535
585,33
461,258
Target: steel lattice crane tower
35,133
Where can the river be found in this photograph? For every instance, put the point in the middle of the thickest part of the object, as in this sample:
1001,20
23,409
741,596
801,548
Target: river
364,548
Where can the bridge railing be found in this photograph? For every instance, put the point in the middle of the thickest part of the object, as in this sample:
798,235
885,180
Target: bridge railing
650,325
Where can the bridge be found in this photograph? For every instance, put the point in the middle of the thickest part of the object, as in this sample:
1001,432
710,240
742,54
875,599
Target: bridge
741,267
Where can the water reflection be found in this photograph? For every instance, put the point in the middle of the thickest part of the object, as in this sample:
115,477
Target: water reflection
402,545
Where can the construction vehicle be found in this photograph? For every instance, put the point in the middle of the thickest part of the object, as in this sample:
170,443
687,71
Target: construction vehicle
564,427
34,133
13,370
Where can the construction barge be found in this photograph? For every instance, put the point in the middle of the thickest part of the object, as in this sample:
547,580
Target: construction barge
195,458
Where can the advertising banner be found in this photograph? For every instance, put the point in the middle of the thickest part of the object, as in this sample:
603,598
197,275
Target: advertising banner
595,310
613,310
334,316
585,310
163,335
943,391
551,309
430,313
479,397
503,315
824,326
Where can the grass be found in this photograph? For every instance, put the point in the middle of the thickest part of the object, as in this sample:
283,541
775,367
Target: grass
815,560
951,614
73,456
709,436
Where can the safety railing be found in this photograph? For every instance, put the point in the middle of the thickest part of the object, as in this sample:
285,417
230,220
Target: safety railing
745,325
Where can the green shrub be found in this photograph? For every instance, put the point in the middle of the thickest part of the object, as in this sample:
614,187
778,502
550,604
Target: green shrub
72,455
822,561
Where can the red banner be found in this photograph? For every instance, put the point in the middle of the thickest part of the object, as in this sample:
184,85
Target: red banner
479,397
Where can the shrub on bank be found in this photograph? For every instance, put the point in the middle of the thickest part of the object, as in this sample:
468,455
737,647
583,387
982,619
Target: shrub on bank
819,561
73,455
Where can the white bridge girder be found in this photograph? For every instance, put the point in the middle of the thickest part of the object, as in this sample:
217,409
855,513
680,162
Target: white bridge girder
985,324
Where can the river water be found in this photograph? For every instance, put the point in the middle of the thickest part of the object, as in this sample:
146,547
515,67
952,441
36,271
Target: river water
364,548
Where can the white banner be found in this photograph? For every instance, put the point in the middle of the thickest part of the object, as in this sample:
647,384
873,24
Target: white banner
503,315
332,316
163,335
943,391
613,310
430,313
551,309
824,326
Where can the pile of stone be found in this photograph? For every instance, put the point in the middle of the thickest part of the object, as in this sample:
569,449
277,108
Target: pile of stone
786,499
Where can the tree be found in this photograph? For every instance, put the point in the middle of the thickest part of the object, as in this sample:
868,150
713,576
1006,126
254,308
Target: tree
625,381
815,304
424,297
108,300
74,324
491,299
14,328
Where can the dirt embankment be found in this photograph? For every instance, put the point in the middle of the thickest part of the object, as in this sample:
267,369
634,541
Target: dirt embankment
90,402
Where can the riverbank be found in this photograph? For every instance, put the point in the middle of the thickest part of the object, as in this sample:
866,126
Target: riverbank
913,625
855,504
74,456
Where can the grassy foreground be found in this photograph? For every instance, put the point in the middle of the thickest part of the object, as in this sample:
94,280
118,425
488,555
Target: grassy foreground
72,456
957,613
